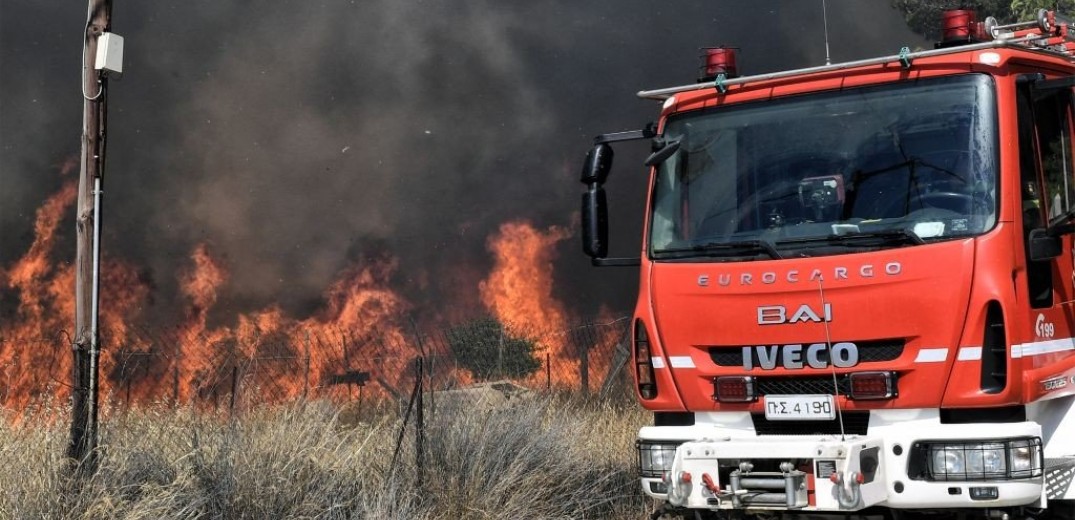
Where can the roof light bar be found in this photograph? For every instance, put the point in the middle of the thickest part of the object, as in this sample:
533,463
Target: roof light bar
1014,42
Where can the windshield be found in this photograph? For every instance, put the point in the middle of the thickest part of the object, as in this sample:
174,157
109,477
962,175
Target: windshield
889,166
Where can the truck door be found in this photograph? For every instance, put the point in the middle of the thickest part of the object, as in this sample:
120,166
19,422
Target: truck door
1048,193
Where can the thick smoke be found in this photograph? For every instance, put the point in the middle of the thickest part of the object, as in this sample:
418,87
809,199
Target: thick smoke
296,138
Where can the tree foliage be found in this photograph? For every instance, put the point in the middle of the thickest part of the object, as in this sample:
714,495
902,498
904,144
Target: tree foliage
489,351
924,16
1027,9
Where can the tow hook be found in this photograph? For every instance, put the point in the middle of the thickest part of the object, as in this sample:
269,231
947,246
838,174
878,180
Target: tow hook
709,484
679,486
848,493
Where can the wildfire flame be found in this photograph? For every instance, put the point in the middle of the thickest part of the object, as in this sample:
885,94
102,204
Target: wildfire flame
519,293
359,329
39,284
29,272
519,289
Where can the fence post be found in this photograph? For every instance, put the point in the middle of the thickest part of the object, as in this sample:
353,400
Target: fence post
344,342
358,414
234,388
584,369
321,351
419,431
620,355
432,386
306,378
548,372
175,383
500,352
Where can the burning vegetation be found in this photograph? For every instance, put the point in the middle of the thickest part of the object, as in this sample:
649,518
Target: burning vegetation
362,330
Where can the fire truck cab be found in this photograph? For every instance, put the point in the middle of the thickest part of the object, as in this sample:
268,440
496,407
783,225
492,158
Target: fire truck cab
857,288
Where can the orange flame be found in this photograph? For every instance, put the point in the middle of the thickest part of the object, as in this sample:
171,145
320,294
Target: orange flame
28,272
519,289
360,328
33,277
201,282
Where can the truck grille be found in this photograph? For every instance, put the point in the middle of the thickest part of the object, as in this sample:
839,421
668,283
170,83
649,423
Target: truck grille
800,385
855,422
869,352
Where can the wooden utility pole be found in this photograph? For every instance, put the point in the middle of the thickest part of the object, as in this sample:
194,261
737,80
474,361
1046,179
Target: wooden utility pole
82,447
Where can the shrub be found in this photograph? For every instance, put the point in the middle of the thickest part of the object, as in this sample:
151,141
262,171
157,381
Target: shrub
489,351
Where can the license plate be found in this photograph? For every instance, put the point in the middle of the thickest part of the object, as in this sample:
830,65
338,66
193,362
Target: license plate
799,407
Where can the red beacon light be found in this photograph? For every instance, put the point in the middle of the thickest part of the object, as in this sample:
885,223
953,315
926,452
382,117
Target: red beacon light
961,26
717,61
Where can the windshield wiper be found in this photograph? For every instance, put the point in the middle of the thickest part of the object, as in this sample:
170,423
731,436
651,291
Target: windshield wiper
895,235
722,248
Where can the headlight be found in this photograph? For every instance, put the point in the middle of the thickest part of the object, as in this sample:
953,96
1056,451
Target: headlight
947,460
976,460
655,457
986,459
1025,458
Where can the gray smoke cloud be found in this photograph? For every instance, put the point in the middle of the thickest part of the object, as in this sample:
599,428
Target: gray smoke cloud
299,137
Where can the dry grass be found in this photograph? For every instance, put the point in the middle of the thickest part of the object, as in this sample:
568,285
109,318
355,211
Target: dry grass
548,457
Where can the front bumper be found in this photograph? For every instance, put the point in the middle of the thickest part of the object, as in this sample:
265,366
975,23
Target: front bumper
725,465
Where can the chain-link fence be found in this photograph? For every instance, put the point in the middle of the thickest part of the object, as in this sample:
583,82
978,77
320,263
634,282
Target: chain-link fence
236,369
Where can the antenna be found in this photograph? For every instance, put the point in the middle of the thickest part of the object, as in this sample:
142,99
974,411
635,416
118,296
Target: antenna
825,20
828,347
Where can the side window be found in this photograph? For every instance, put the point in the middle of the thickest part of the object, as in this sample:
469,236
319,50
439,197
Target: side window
1039,273
1046,180
1054,143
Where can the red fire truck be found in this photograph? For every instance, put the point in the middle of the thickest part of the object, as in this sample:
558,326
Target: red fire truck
857,289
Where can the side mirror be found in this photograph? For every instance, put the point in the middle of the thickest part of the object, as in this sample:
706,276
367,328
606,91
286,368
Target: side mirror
597,165
1043,246
595,222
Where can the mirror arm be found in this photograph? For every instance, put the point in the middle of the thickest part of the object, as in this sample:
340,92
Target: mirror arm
1054,84
1061,229
646,133
616,262
1061,225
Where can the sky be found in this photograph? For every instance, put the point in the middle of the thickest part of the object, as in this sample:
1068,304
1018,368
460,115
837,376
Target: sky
296,138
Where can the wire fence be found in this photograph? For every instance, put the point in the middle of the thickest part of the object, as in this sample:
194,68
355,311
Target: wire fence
236,369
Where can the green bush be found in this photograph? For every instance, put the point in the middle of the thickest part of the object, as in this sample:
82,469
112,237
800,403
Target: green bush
489,351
